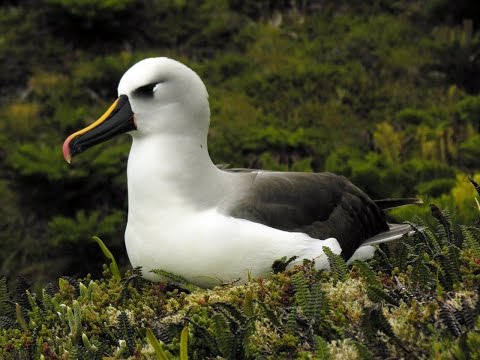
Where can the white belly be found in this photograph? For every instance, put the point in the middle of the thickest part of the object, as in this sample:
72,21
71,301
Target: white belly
208,248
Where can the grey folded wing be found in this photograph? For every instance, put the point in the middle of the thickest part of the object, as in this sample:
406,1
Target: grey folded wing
321,205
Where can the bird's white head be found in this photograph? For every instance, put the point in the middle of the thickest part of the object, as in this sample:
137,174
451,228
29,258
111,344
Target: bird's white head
165,96
156,96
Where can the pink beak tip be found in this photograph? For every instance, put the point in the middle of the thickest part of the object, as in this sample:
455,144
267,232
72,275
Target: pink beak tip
66,151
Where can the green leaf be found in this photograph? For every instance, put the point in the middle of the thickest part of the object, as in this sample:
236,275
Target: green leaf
113,264
184,344
248,304
157,346
20,319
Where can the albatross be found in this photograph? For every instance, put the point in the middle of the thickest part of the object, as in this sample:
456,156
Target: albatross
210,225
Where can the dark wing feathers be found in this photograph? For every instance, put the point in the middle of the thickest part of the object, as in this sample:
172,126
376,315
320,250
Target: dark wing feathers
321,205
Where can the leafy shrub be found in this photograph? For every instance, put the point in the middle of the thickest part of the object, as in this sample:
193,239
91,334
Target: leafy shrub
425,170
436,187
339,161
65,229
469,153
388,141
468,111
415,117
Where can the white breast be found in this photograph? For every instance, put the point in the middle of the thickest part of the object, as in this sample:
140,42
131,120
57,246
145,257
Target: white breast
208,248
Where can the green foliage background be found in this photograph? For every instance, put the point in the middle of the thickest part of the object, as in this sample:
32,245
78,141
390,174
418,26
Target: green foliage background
384,92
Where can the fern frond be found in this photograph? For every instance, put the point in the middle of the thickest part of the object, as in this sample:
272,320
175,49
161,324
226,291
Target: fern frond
4,294
383,258
338,266
427,240
317,300
125,331
36,342
374,320
206,334
21,288
177,279
444,219
442,277
421,274
223,335
470,240
270,314
292,321
448,263
235,316
51,289
367,272
467,314
322,352
447,317
376,293
410,247
395,257
6,306
135,280
454,260
302,292
449,268
362,351
36,313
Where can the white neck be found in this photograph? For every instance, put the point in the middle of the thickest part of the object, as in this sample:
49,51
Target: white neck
172,171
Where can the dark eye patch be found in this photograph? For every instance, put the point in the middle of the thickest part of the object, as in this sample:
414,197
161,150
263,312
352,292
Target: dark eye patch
146,90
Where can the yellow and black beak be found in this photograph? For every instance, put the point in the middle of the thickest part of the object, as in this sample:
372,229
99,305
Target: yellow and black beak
118,119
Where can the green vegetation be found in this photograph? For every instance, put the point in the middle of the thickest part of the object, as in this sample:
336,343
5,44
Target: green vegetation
418,298
385,93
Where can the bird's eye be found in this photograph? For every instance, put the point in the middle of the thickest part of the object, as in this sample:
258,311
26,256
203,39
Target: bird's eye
146,90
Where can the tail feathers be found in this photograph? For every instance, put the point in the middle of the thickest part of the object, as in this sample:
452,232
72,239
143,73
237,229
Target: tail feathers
396,232
387,204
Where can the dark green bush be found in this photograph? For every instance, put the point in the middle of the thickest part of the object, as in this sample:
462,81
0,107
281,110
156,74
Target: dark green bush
436,187
469,153
467,111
